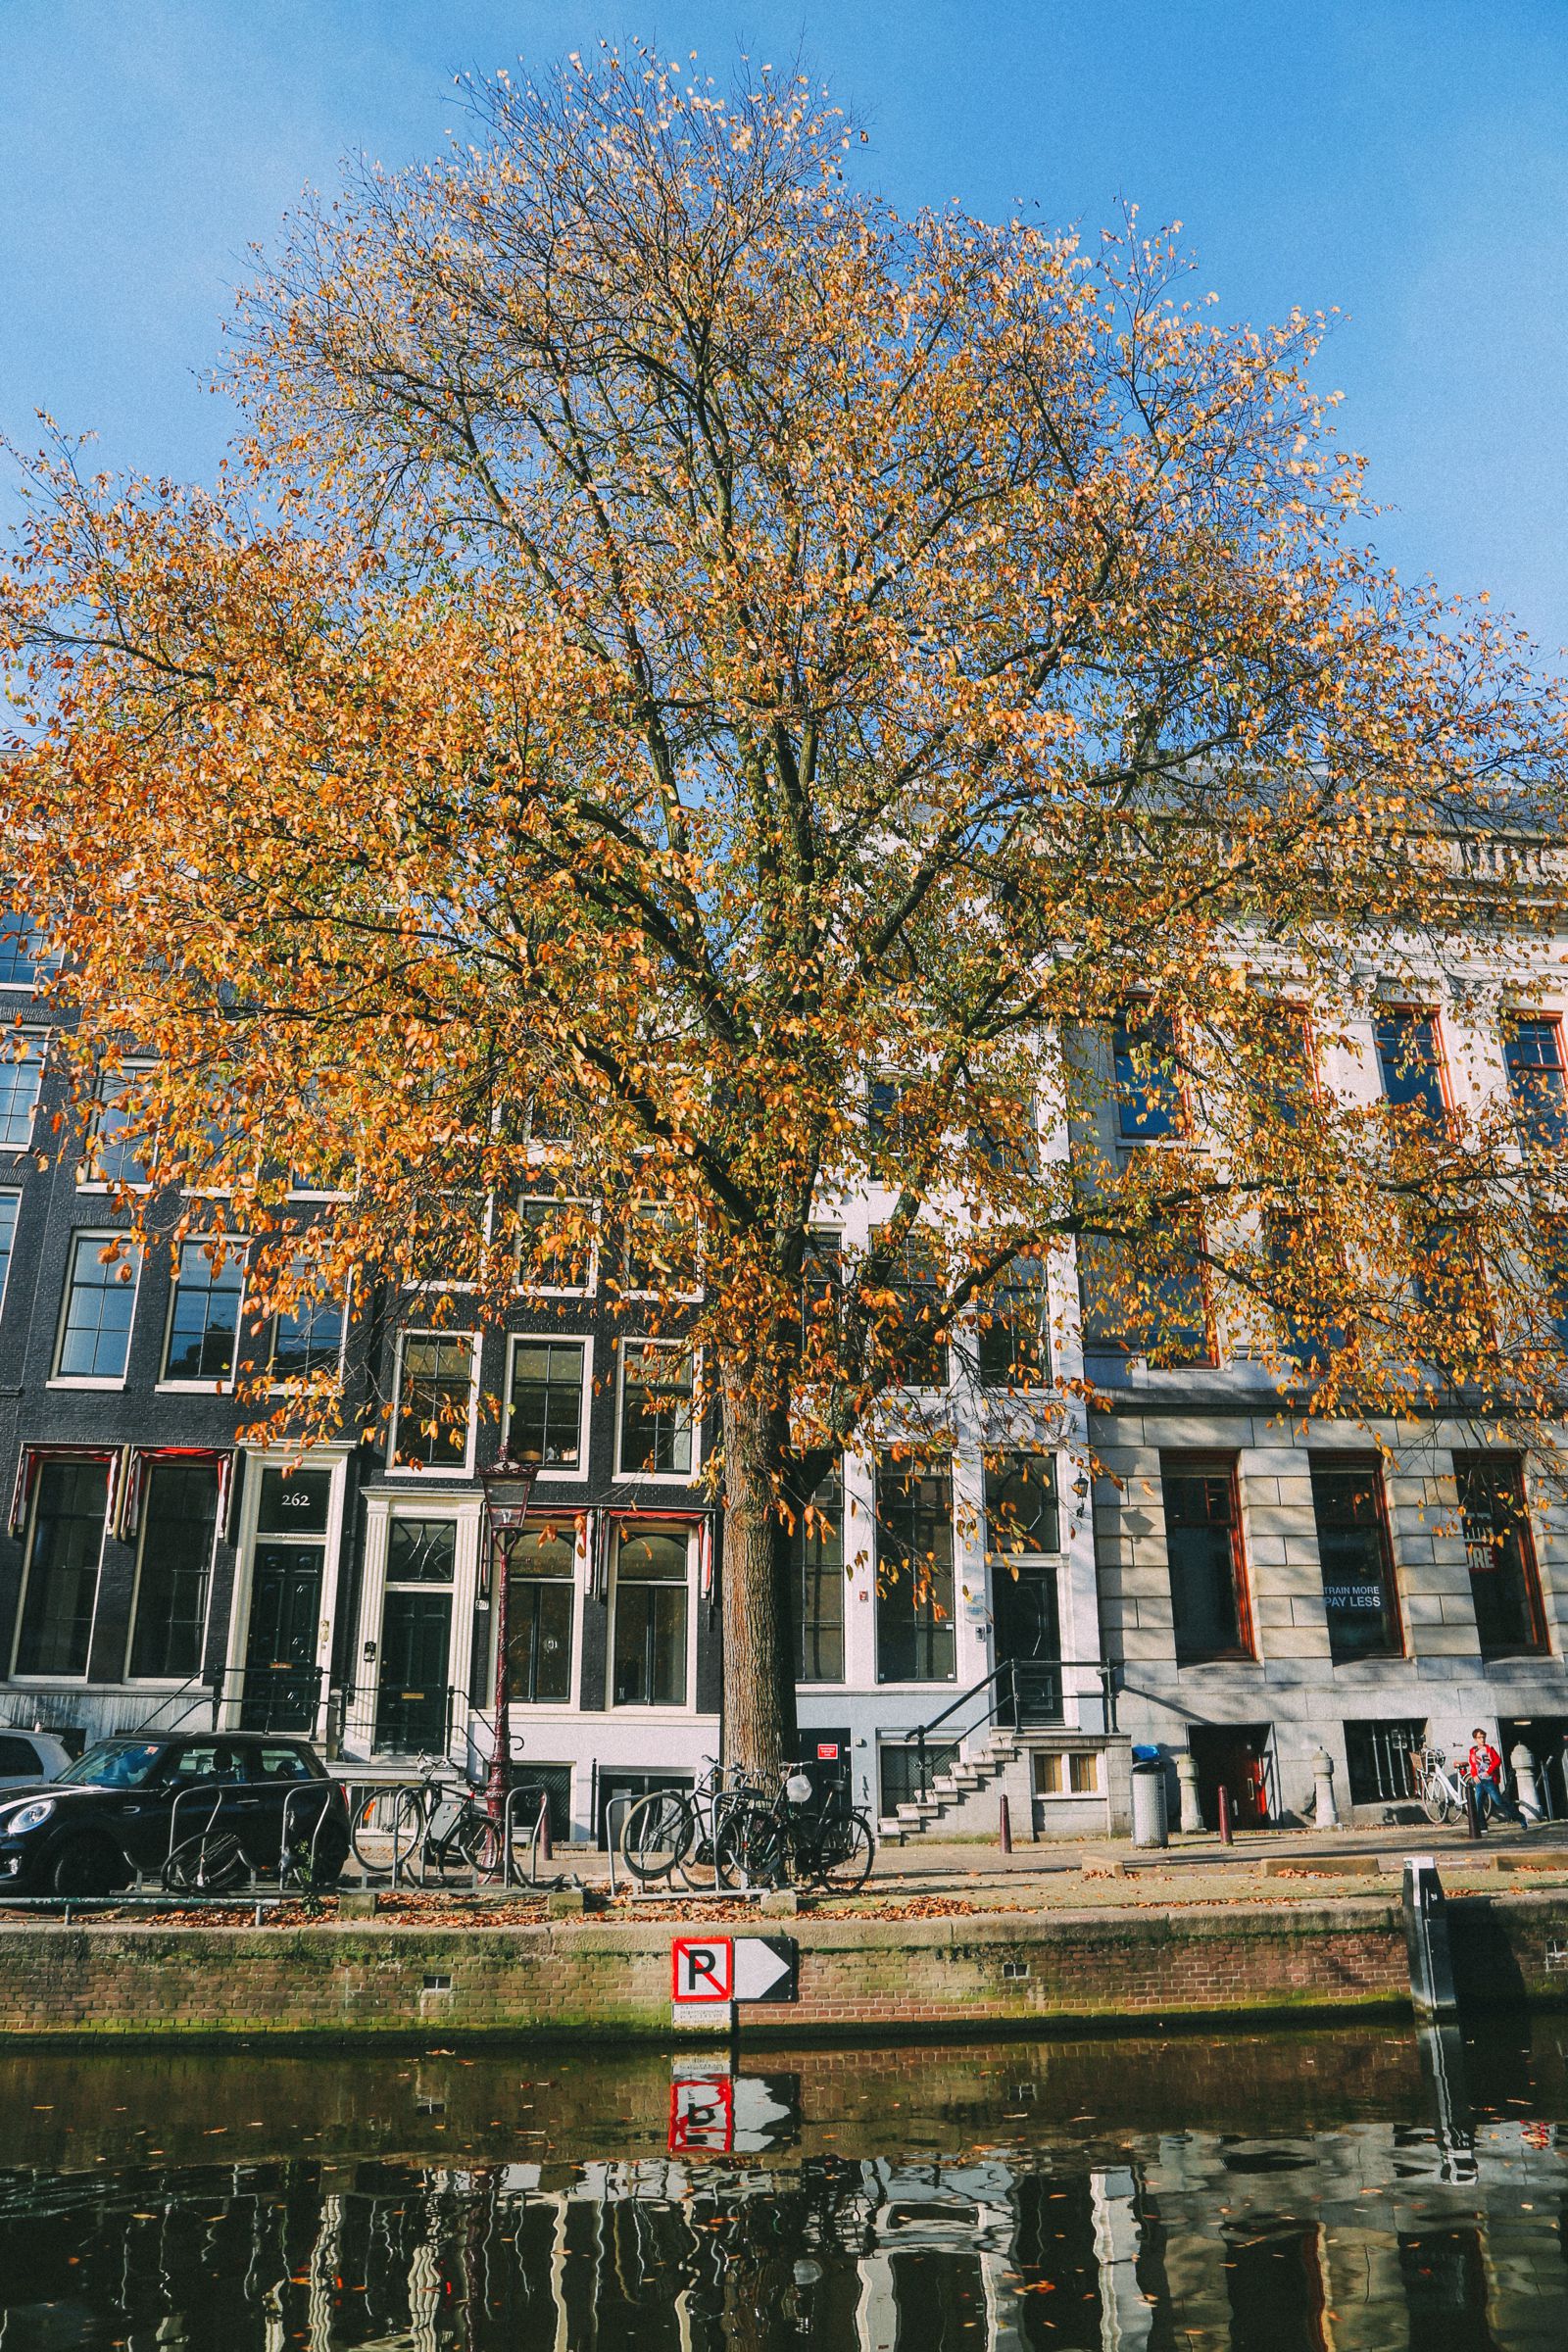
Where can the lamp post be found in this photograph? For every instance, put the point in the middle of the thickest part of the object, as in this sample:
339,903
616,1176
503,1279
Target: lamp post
508,1493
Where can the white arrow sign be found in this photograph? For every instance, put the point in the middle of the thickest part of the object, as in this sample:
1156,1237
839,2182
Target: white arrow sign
763,1969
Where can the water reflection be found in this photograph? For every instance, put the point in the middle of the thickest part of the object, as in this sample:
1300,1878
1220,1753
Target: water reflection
1264,2195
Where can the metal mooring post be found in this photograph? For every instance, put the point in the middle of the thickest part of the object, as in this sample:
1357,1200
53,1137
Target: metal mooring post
1004,1826
1426,1940
1225,1834
1474,1824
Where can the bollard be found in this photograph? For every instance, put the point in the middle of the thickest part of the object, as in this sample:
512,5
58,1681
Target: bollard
546,1851
1192,1812
1004,1826
1527,1788
1325,1813
1226,1837
1474,1826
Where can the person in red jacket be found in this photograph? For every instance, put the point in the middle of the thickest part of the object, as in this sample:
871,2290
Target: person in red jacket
1485,1767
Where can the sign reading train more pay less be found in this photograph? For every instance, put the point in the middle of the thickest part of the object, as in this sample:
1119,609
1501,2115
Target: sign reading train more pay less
709,1972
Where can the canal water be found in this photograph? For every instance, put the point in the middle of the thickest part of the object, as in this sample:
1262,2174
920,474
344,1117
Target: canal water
1263,2193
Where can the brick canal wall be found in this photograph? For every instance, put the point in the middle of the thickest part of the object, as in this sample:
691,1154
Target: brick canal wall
926,1976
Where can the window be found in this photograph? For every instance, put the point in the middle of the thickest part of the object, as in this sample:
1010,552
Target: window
434,1404
823,1286
886,1139
111,1155
1006,1139
307,1342
22,960
817,1552
1353,1541
1148,1297
20,1077
1450,1286
915,1634
1014,1352
1288,1067
907,1291
10,1204
1073,1773
1297,1275
204,1316
1149,1100
1532,1047
555,1252
1410,1064
1207,1567
100,1302
658,1252
61,1590
1504,1582
545,1403
541,1597
1021,1517
178,1527
655,1409
413,1700
648,1662
1377,1756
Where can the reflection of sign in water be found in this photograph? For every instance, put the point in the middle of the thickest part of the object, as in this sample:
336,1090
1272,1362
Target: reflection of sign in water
706,1970
1353,1597
717,2113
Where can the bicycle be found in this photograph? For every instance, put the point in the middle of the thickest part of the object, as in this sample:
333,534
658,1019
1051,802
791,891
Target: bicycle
1440,1794
447,1831
793,1836
679,1830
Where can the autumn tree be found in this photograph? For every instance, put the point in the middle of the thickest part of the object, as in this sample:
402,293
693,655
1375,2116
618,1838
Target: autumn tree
698,695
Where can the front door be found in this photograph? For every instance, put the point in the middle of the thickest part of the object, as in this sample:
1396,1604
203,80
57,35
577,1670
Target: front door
1028,1639
1233,1756
411,1703
282,1679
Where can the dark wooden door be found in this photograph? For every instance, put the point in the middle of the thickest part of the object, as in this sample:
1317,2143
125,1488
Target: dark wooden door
1029,1637
410,1706
281,1677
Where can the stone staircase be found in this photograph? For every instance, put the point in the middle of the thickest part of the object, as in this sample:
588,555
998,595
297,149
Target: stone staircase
963,1798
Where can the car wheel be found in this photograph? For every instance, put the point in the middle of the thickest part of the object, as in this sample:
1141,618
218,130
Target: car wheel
86,1866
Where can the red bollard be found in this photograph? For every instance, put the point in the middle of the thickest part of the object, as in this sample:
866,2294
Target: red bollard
1004,1826
1225,1836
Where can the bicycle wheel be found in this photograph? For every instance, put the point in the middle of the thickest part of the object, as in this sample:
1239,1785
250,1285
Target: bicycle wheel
844,1860
407,1829
698,1864
656,1834
206,1865
751,1849
1437,1804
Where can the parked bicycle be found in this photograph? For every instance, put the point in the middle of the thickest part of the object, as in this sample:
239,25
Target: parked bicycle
795,1838
676,1833
1440,1791
440,1828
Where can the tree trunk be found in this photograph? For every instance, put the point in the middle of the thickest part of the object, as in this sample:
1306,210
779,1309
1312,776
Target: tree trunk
760,1731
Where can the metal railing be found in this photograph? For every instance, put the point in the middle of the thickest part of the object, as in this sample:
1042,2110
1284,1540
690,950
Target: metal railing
1014,1695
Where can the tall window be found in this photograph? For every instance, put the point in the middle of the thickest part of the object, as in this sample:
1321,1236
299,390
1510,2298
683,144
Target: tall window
435,1401
22,960
886,1141
1022,1515
1173,1298
648,1661
541,1587
659,1252
911,1279
112,1155
10,1204
1504,1582
1149,1099
1015,1352
1352,1541
819,1556
544,1423
655,1408
554,1250
178,1527
204,1316
1410,1064
915,1636
1204,1547
1450,1285
308,1341
1537,1079
100,1302
61,1591
20,1077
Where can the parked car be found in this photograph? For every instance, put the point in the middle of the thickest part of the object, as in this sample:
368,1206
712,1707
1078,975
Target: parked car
30,1756
191,1811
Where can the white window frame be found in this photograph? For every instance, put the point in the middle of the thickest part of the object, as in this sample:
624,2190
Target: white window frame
657,1478
646,1210
652,1711
10,1193
557,1290
83,1380
168,1385
38,1680
127,1075
168,1682
29,1037
332,1457
562,1338
299,1388
434,1471
23,988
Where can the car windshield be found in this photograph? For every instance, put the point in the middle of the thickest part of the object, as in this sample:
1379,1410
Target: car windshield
115,1764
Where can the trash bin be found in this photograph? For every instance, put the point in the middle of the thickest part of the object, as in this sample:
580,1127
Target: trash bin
1151,1818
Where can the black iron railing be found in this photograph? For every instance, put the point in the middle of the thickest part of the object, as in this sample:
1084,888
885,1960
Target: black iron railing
1018,1694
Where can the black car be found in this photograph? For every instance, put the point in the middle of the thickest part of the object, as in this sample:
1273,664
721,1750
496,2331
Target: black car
197,1809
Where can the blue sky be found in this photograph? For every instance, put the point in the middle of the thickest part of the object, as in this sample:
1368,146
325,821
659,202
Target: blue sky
1405,159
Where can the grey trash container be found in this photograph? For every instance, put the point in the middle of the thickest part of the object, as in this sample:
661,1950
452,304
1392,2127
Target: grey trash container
1151,1818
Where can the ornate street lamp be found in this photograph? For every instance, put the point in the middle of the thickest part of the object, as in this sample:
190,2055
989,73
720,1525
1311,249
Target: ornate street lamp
508,1493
